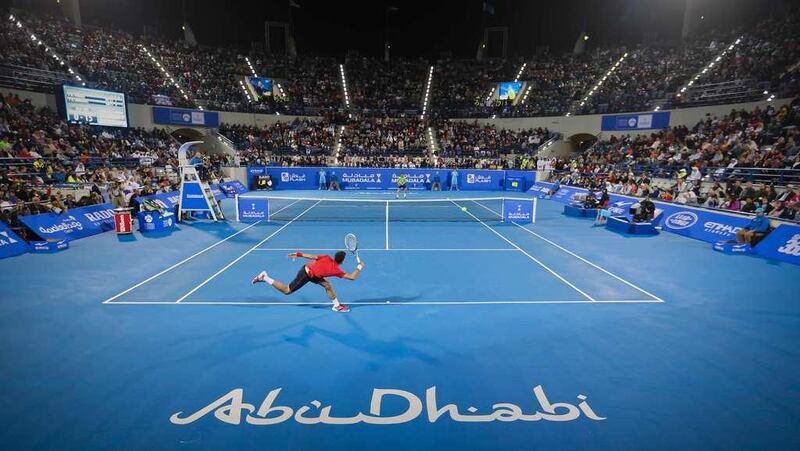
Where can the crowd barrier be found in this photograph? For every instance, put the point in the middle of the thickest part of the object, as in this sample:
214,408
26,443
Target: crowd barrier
74,224
386,178
783,243
58,229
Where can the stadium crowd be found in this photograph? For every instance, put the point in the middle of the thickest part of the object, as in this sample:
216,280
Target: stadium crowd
709,153
651,74
47,165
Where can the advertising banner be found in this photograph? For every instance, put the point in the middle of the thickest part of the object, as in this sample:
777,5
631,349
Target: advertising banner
656,120
252,209
386,178
193,197
179,116
73,224
10,243
783,244
519,211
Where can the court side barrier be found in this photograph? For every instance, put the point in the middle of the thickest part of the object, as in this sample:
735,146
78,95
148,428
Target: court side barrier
73,224
386,178
10,243
221,191
783,243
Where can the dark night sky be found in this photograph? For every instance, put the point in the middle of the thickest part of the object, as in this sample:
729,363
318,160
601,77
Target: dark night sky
418,28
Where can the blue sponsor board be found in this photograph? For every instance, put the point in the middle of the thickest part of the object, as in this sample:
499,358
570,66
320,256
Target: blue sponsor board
180,116
656,120
10,243
706,225
386,178
528,177
783,244
48,247
73,224
252,209
153,221
232,188
518,210
193,197
216,190
483,180
167,200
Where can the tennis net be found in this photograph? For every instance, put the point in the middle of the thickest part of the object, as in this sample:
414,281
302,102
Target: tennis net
284,208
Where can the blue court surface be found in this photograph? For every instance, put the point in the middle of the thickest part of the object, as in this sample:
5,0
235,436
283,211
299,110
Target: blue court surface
467,334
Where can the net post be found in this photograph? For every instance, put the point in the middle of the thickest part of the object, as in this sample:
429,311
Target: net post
236,202
533,216
503,210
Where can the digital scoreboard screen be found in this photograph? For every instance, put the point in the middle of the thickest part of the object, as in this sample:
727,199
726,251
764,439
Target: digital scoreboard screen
95,107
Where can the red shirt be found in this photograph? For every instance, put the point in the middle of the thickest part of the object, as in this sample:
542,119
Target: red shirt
324,266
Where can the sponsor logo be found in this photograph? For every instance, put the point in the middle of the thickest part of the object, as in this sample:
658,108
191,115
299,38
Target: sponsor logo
6,239
195,196
681,220
791,247
186,117
231,408
100,216
632,122
148,218
517,214
68,224
412,179
620,207
361,177
720,229
479,179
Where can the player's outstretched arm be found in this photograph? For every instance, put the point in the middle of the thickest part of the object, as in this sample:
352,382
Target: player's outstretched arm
304,255
354,275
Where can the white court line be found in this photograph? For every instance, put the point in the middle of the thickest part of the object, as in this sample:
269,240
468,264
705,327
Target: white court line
243,255
387,225
185,260
292,304
580,258
501,249
530,256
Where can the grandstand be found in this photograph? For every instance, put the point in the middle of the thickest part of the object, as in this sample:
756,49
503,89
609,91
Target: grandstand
586,220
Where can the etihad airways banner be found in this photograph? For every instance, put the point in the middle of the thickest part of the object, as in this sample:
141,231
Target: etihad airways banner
73,224
386,178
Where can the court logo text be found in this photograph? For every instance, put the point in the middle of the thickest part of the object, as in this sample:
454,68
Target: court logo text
231,408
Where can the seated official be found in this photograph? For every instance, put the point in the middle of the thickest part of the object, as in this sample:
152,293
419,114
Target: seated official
590,201
645,212
756,230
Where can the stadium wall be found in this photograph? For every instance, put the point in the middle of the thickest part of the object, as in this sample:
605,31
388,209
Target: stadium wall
142,116
569,126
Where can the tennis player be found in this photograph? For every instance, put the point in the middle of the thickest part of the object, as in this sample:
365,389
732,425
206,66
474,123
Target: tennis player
323,266
402,186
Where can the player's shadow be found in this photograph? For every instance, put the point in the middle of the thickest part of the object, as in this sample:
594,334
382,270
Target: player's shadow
357,338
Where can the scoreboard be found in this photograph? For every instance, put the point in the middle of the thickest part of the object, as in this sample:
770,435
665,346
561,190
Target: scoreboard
95,107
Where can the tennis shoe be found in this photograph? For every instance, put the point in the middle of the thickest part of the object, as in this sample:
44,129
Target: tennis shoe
261,277
341,308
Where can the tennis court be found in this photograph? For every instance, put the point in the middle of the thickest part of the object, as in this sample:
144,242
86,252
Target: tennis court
548,335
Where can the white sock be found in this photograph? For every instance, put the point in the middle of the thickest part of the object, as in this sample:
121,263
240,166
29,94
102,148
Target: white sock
269,279
335,302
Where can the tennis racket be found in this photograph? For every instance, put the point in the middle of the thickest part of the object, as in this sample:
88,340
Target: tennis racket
351,243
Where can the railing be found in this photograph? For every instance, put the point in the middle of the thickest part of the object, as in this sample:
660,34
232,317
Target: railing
31,78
